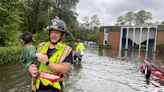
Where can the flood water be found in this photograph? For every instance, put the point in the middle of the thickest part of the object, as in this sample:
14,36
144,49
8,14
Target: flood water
101,70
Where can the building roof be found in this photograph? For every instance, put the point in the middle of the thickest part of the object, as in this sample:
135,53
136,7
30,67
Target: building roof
160,27
118,28
110,28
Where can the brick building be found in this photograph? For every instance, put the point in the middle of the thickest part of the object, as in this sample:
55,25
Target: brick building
128,37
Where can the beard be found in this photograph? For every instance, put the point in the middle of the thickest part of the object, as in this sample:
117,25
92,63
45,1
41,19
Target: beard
55,42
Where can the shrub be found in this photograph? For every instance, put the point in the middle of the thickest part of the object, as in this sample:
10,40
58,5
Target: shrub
143,47
41,37
9,54
107,46
160,47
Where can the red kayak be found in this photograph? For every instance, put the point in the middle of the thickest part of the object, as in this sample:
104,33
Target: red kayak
153,71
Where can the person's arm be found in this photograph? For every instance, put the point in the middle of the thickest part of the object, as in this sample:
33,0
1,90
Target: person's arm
33,57
62,68
32,53
33,70
65,65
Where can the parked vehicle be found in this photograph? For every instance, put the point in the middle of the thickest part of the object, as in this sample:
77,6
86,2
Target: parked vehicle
153,73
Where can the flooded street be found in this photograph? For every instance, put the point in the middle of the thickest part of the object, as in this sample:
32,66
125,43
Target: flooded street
101,71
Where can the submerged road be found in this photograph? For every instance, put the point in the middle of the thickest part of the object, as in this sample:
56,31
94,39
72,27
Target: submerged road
98,73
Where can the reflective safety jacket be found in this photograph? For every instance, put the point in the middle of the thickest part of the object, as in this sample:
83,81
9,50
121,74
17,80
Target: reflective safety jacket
80,47
48,76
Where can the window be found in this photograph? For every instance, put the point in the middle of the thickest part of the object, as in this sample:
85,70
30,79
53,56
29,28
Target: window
105,30
105,42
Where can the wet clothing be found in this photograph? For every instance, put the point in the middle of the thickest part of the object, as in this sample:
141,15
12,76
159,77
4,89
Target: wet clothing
79,51
28,57
77,57
48,89
80,47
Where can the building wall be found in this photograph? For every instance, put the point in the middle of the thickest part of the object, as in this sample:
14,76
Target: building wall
114,39
106,36
101,37
144,34
114,35
160,37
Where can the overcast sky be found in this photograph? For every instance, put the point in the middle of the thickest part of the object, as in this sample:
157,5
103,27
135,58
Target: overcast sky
109,10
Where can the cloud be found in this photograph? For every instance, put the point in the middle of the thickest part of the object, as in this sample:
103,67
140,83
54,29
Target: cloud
109,10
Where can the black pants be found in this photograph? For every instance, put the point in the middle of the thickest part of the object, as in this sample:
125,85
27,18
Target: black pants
43,88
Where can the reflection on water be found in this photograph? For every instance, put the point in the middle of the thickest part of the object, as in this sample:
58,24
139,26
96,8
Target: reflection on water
12,79
109,52
102,70
132,55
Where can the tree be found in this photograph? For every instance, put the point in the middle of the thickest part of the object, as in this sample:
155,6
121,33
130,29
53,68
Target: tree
142,17
162,22
40,13
129,18
33,16
88,30
86,23
95,21
10,11
120,21
17,16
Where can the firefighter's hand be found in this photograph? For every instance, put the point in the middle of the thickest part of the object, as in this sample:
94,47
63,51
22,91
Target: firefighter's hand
42,58
33,70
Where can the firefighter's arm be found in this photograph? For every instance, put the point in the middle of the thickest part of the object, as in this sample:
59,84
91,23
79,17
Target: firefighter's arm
62,68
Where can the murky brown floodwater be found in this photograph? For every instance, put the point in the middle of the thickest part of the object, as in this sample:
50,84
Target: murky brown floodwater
101,71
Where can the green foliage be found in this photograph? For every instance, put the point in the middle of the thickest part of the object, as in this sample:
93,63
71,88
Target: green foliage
142,16
9,54
87,34
40,13
162,22
107,46
160,47
89,29
69,40
9,22
95,21
17,16
9,38
143,47
41,37
129,18
120,21
10,18
10,12
43,20
139,18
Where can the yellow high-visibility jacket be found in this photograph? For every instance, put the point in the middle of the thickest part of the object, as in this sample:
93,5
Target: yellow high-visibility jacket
80,47
48,76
